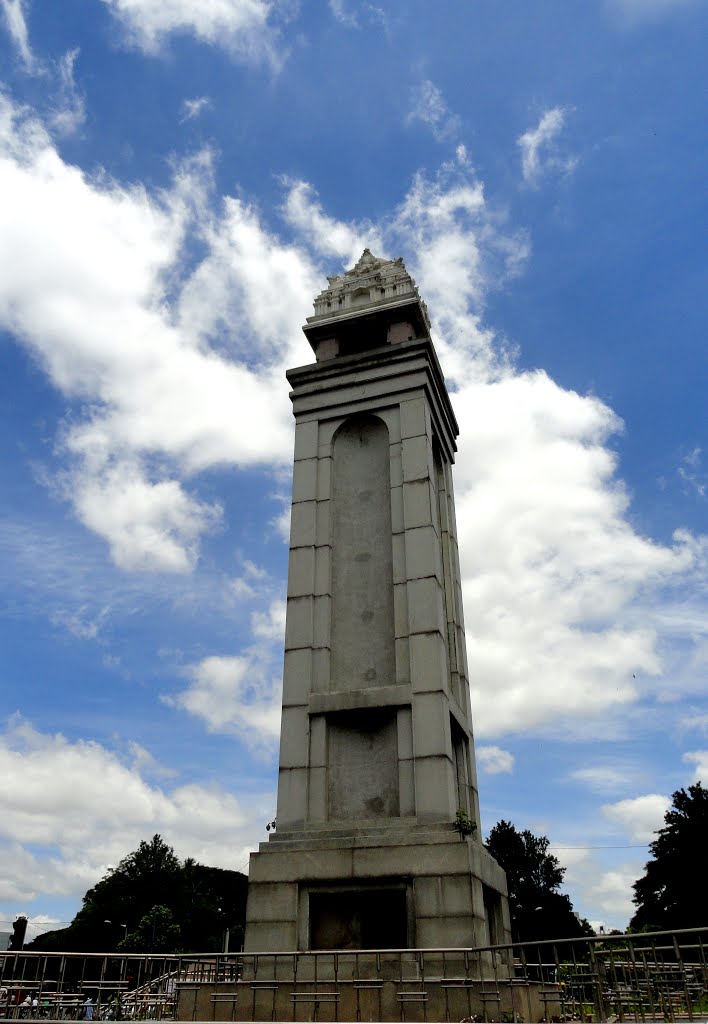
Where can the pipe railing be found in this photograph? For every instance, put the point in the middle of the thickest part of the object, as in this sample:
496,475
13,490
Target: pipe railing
637,977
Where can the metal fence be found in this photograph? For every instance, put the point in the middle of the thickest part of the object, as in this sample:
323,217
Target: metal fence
659,976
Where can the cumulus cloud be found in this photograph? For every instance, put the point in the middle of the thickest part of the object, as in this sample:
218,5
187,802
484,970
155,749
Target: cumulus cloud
16,23
327,236
88,265
429,107
640,816
244,27
539,151
148,524
240,694
700,759
81,807
493,760
610,892
460,248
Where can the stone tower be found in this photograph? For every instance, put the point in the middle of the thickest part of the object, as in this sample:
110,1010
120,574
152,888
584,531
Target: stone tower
376,750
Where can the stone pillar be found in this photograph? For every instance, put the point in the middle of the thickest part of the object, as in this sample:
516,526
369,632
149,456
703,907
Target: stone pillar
377,751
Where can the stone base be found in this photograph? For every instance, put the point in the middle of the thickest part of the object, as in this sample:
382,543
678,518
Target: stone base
382,994
420,887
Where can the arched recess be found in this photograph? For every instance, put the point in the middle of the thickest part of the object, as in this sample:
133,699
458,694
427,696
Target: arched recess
362,634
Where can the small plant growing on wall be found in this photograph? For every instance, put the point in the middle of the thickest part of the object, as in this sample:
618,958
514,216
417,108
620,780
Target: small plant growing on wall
463,825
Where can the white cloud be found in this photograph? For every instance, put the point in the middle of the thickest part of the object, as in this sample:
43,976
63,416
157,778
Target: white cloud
15,20
428,106
80,622
460,249
610,893
607,778
695,719
343,13
87,268
494,760
692,475
148,524
328,236
640,816
70,114
539,153
700,759
243,27
349,14
551,567
240,694
234,694
270,625
81,807
194,107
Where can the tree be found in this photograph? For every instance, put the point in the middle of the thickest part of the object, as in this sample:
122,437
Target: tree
151,895
157,932
673,892
537,909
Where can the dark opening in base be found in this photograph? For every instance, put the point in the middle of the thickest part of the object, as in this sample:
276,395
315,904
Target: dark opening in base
359,919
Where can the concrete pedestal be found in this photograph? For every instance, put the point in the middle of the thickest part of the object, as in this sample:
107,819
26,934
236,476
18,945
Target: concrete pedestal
451,891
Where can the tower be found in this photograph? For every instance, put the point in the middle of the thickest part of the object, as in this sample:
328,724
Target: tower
377,750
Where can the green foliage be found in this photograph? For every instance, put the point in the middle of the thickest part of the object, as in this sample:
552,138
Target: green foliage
157,932
537,909
152,902
464,825
673,892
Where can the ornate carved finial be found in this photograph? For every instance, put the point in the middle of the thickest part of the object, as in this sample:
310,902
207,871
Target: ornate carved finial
365,264
373,284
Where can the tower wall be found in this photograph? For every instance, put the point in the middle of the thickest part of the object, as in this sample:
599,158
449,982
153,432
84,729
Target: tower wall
377,749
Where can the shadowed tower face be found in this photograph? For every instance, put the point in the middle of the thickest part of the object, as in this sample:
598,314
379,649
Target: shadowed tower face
377,753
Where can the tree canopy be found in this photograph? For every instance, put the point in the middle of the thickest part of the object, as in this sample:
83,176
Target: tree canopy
673,892
537,909
153,902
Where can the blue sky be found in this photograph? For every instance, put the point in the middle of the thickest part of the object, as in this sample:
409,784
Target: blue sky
175,181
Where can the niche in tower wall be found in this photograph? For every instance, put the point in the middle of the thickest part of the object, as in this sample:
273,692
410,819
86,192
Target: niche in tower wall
359,917
442,525
461,756
362,765
363,635
493,915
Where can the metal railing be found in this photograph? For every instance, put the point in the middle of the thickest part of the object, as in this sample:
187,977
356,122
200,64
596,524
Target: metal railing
658,976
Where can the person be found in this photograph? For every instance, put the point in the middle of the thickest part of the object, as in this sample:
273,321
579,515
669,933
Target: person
88,1008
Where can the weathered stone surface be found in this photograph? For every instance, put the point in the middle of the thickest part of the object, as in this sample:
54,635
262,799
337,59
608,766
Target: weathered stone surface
306,440
301,572
303,524
423,553
298,623
305,480
413,419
